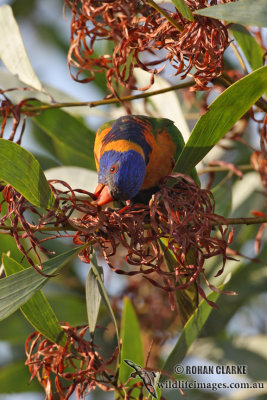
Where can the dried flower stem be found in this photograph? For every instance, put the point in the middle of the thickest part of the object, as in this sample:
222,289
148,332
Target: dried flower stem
165,14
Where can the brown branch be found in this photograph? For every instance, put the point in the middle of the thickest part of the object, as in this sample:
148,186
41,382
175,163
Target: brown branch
222,169
230,221
113,100
68,227
246,221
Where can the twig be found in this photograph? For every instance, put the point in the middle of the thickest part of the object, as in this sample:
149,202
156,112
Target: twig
230,221
246,221
222,169
40,229
113,100
239,57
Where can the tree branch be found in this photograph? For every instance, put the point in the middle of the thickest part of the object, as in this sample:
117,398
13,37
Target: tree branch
223,169
113,100
246,221
230,221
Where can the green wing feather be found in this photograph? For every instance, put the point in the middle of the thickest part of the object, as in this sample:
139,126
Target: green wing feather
159,124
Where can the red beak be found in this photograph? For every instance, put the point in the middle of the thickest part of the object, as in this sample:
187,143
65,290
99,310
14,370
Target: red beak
103,195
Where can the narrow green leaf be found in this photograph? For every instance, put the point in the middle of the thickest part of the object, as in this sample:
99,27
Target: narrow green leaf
14,378
223,197
93,294
189,333
249,280
74,142
21,170
184,9
132,348
245,12
221,116
37,310
249,45
12,50
97,271
187,299
17,289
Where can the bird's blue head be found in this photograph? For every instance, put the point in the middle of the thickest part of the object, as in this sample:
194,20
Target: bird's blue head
120,176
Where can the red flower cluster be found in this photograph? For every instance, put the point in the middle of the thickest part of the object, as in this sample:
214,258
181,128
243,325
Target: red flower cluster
76,366
7,108
180,218
142,38
10,110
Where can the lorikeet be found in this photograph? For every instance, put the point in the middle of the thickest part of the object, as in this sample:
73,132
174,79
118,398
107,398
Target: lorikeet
132,154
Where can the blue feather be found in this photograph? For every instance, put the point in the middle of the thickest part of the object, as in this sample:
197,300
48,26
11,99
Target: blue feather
126,182
126,128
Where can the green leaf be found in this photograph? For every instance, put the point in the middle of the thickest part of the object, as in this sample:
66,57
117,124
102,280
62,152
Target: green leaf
74,142
223,197
69,306
12,50
93,294
17,289
187,299
189,333
76,177
183,8
131,348
21,170
96,269
37,310
14,330
248,280
8,244
245,12
14,378
222,114
249,45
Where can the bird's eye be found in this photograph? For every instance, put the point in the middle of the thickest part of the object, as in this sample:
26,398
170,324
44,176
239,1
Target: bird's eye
113,169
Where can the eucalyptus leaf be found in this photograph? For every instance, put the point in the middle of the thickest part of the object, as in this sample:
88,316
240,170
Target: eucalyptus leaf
184,9
21,170
73,140
187,300
17,289
93,294
222,114
248,280
12,49
253,52
76,177
189,333
132,348
223,197
245,12
14,378
96,269
37,310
